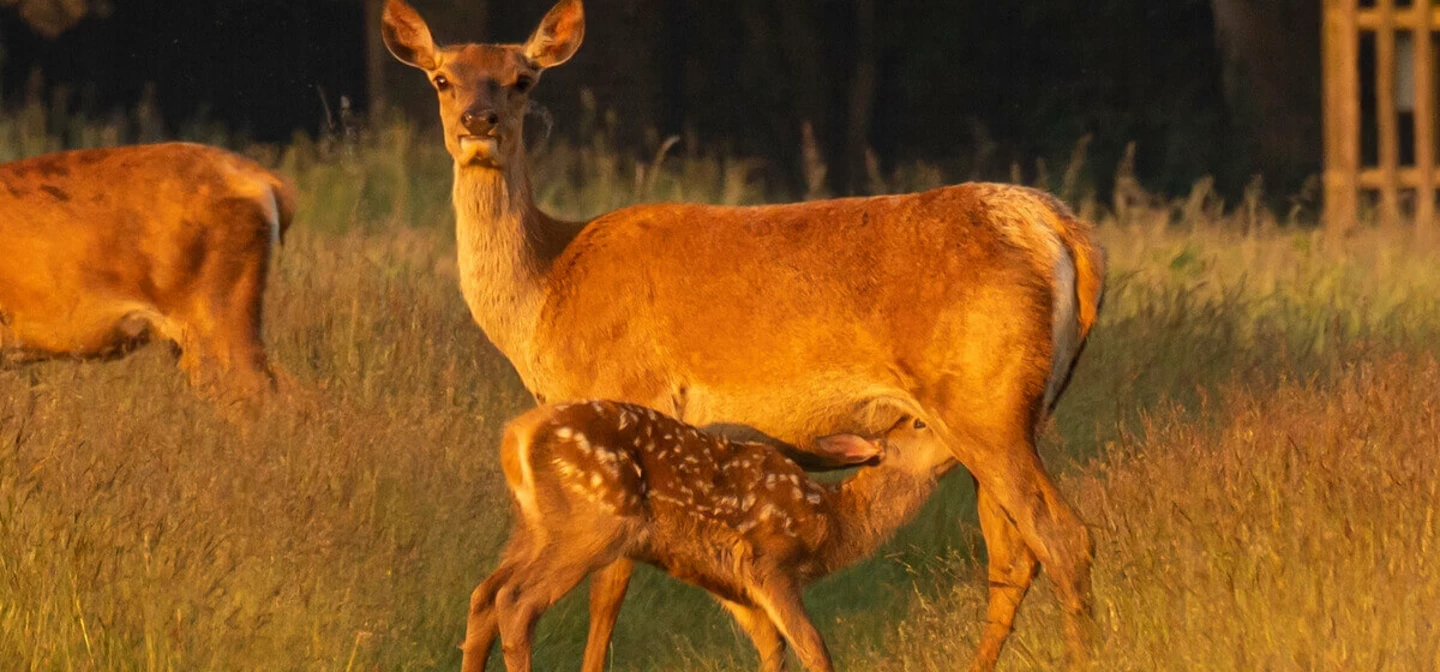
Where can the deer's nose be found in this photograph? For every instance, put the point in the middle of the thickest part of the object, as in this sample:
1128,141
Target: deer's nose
479,122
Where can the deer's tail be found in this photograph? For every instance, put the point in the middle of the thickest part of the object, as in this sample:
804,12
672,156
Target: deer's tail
1079,284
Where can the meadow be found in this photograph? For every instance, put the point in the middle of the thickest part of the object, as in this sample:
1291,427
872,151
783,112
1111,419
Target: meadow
1252,434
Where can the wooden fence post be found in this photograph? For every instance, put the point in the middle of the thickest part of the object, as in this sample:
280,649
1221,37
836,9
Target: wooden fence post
1341,44
1424,123
1386,120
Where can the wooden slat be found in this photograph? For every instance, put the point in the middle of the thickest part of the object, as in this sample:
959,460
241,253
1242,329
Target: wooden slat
1371,19
1385,117
1424,131
1372,179
1407,177
1342,114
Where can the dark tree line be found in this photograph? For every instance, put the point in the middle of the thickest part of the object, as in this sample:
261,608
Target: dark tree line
1225,87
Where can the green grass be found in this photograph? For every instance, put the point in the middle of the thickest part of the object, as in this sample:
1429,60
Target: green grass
1251,433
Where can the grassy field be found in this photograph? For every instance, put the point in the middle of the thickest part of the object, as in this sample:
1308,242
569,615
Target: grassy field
1253,435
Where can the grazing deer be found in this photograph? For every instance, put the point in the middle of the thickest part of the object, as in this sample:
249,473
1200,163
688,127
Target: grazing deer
599,481
105,247
965,306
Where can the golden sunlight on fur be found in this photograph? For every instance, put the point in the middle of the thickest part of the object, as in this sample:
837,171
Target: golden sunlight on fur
965,306
106,248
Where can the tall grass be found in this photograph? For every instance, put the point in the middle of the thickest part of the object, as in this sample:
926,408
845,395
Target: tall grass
1251,433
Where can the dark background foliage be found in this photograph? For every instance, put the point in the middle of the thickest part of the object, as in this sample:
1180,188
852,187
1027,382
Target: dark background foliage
1203,87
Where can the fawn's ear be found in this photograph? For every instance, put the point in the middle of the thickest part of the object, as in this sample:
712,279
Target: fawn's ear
558,36
848,448
407,36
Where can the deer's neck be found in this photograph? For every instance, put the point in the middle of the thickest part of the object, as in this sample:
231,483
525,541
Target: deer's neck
505,246
870,506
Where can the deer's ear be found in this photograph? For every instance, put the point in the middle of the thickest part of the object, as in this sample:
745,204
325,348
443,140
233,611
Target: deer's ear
407,36
847,448
558,36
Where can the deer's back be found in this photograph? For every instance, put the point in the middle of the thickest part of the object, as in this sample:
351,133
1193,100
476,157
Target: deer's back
780,316
91,235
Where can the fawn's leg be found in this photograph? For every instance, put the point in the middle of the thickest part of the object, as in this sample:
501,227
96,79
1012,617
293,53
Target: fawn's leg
532,589
482,625
607,592
762,632
779,598
1011,569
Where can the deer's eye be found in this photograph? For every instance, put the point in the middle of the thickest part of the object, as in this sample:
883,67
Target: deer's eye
523,83
442,82
918,424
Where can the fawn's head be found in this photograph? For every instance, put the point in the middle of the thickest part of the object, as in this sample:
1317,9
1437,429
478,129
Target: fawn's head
484,89
908,446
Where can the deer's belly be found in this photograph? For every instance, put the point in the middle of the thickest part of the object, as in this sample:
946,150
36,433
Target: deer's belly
795,412
708,559
77,329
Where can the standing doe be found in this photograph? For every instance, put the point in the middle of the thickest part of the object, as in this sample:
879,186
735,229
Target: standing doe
599,481
965,306
102,247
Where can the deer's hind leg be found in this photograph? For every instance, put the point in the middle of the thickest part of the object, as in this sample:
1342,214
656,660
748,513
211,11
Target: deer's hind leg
567,558
778,597
1020,499
762,632
219,321
481,624
1012,567
607,593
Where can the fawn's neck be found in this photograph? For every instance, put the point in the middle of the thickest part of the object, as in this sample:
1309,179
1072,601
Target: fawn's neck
870,507
505,246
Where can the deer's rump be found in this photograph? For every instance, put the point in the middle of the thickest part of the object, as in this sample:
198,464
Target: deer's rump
99,243
784,318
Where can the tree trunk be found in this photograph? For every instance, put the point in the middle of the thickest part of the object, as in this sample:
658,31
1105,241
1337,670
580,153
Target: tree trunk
377,58
1271,55
862,95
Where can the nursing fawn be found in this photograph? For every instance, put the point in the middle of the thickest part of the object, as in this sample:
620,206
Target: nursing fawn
595,482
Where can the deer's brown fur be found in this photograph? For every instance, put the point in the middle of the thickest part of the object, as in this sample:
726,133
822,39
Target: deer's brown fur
599,481
965,306
105,248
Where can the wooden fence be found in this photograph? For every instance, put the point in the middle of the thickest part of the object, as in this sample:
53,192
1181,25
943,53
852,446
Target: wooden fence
1403,85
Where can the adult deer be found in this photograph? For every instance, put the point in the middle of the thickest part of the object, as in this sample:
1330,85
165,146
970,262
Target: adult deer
964,306
600,481
102,247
